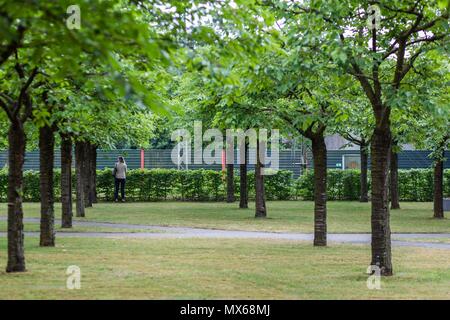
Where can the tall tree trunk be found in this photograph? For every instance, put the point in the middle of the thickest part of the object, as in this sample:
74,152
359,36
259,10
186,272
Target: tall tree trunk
243,191
66,181
46,157
87,180
381,232
16,158
438,207
364,189
260,196
230,183
93,162
79,163
320,190
395,201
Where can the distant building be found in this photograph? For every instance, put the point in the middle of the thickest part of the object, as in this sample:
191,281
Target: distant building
344,155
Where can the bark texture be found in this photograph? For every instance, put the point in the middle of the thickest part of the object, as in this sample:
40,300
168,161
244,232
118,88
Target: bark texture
87,175
46,159
438,207
79,169
66,181
93,170
260,196
230,183
320,190
243,181
395,198
16,158
381,232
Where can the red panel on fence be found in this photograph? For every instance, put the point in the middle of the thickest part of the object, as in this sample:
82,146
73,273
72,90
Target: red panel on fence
224,160
142,159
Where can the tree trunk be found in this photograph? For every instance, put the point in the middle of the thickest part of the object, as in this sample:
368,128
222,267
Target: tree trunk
243,192
16,158
364,197
93,162
395,201
46,159
260,197
87,180
66,181
320,190
438,189
381,232
230,183
79,163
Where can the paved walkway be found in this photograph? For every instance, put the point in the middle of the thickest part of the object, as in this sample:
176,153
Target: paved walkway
187,232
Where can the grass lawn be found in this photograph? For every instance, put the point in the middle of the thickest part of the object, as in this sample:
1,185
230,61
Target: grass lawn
295,216
214,269
35,227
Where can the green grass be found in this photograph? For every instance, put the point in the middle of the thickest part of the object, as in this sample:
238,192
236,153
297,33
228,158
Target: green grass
295,216
34,227
215,269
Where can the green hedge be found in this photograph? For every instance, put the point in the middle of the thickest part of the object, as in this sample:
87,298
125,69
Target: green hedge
161,184
164,184
341,185
209,185
190,185
414,185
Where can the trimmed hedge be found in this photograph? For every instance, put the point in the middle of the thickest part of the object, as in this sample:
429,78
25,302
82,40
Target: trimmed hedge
160,184
165,184
209,185
341,185
414,185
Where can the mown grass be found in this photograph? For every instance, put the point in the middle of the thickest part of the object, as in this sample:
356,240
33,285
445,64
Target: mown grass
216,269
35,227
295,216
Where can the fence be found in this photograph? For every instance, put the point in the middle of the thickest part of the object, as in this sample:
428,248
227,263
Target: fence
292,160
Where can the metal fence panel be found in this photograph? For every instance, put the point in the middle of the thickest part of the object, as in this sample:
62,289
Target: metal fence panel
161,158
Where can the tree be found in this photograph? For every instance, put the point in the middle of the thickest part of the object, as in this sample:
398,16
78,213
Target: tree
38,45
433,133
310,112
46,160
18,107
408,30
439,156
243,178
393,178
66,180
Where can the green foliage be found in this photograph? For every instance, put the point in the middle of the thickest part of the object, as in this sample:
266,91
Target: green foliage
210,185
189,185
417,184
304,186
161,184
341,185
414,185
3,184
279,186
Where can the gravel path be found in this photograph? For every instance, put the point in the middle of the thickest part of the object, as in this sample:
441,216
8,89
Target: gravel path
186,232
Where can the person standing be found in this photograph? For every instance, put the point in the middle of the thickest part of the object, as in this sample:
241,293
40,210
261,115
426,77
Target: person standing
120,175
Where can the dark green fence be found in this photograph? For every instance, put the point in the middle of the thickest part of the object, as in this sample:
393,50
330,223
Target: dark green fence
291,160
